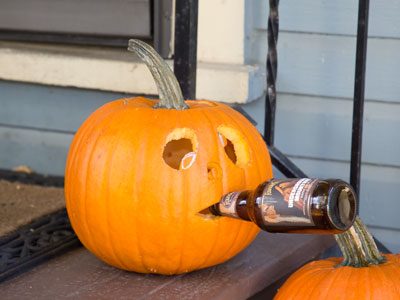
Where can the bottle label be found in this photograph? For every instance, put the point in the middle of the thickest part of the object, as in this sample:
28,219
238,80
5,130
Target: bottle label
288,202
227,205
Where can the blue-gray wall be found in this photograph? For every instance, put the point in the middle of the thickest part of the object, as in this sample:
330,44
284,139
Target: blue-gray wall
37,123
316,54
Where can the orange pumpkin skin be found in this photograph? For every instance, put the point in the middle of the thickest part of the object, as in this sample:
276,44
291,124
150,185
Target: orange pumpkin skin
323,280
137,213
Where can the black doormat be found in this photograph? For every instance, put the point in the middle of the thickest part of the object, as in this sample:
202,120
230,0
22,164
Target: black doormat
45,231
32,178
36,243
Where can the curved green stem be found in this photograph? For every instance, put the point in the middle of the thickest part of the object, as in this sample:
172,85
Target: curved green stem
358,247
168,87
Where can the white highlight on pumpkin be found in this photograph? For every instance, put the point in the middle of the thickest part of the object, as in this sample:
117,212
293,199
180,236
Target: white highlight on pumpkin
235,145
221,138
181,148
190,157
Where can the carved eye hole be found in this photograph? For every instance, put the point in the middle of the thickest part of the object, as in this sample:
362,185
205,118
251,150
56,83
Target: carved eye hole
228,147
180,150
235,145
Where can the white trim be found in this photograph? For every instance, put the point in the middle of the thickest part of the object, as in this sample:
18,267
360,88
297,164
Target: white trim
221,31
118,70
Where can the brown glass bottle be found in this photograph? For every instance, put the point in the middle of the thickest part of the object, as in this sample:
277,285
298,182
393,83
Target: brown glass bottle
293,205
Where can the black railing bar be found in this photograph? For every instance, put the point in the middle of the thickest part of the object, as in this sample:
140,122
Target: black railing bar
185,52
359,91
284,164
278,159
271,68
239,109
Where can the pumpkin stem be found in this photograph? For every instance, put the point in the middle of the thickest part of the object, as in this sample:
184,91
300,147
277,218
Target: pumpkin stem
168,87
358,247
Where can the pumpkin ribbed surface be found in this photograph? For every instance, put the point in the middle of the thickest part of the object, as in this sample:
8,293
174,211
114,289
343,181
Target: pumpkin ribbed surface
325,280
136,212
362,273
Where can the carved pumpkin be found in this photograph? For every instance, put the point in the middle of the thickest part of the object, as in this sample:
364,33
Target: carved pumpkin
363,273
139,171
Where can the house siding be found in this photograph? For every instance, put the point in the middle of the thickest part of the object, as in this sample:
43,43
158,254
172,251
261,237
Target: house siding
37,123
316,66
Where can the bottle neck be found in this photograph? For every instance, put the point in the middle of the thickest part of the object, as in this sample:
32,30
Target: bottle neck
242,201
233,205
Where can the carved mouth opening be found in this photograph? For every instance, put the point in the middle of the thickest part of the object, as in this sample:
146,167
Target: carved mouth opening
206,214
205,211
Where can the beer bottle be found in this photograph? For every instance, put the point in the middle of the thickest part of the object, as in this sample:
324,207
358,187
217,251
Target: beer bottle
293,205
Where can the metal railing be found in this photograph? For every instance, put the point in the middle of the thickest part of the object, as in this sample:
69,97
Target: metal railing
185,69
